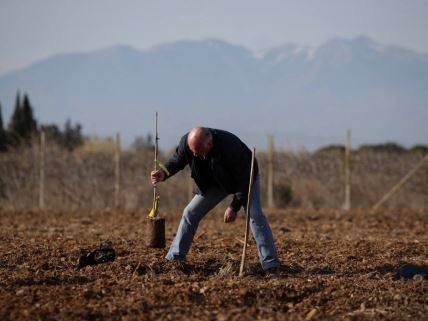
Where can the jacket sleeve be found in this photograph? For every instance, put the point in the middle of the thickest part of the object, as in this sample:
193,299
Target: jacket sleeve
178,161
241,166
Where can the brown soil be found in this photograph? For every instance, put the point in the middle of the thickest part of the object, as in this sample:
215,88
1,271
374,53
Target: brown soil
336,265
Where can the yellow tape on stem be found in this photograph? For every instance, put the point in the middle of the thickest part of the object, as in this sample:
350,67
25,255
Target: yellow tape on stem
155,207
164,168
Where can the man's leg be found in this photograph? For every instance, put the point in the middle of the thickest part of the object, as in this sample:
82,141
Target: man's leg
261,230
198,207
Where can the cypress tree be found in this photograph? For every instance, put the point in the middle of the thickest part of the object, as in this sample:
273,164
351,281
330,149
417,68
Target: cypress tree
22,124
15,121
29,124
3,136
15,124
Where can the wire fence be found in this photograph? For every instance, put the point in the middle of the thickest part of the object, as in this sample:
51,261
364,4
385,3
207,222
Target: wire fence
87,179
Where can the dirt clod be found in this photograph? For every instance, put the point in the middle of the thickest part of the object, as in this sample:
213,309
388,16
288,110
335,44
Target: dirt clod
105,253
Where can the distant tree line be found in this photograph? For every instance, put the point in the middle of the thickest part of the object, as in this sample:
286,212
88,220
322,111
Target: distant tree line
142,143
23,129
386,147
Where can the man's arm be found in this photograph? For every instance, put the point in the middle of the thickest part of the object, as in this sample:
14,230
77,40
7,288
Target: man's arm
238,156
241,195
176,163
240,166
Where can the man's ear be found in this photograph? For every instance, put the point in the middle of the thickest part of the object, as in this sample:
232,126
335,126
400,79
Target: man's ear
210,145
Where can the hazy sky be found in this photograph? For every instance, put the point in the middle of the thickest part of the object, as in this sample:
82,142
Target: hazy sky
31,30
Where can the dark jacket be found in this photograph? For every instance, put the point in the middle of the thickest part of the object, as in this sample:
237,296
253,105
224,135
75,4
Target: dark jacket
229,165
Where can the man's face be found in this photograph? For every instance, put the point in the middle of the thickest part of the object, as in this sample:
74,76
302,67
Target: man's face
201,149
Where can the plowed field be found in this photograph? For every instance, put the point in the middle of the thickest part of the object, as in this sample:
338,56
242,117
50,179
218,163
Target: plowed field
336,266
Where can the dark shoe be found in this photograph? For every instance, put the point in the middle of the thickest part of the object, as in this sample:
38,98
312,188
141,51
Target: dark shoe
178,265
273,272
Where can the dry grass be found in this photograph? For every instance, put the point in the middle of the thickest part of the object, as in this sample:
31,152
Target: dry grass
85,179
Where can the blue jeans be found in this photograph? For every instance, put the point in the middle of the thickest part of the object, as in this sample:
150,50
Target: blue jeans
200,205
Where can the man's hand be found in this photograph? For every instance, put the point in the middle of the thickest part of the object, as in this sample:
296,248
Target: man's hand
157,176
229,215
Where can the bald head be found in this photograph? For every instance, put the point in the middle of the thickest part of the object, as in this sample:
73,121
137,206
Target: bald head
200,141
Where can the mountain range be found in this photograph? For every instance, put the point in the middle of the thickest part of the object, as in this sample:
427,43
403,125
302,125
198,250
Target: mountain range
304,96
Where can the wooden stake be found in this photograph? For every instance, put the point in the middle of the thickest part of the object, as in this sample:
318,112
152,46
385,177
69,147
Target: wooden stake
117,173
347,204
400,183
155,230
270,201
42,170
156,165
247,223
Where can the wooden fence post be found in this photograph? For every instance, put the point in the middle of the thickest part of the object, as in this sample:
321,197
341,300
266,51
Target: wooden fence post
270,200
42,170
117,173
347,204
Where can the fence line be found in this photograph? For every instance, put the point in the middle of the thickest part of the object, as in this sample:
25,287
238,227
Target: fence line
112,178
117,173
270,199
42,170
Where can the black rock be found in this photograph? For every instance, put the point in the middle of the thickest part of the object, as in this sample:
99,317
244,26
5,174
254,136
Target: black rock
105,253
408,271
